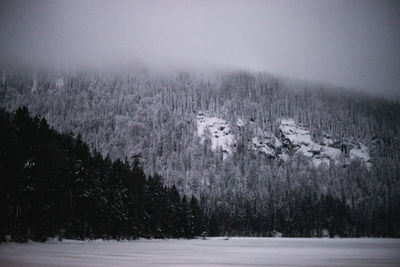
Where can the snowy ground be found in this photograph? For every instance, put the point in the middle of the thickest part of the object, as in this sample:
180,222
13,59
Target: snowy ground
211,252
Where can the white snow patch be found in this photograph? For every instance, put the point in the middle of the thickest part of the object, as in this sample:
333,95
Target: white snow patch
331,152
361,153
299,139
328,140
305,150
296,134
220,132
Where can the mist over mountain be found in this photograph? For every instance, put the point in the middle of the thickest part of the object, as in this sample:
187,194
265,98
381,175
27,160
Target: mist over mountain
351,44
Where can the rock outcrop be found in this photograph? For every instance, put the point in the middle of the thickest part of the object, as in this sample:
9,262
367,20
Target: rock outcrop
294,139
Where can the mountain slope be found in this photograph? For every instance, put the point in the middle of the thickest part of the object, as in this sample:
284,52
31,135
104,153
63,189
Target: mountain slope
264,155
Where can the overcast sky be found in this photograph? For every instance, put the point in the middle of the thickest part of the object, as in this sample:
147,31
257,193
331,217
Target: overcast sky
347,43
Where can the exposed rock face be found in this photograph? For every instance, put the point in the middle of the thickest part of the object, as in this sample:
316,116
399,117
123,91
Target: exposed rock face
293,139
263,142
298,139
263,146
219,130
294,136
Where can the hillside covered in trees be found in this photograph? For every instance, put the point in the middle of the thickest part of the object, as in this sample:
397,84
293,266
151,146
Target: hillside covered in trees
52,185
150,119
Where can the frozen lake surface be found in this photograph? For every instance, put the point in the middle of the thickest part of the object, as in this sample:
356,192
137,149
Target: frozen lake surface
211,252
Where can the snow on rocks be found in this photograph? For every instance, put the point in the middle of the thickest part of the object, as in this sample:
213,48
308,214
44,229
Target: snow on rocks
263,142
294,139
361,153
298,139
219,130
262,147
222,137
266,143
294,134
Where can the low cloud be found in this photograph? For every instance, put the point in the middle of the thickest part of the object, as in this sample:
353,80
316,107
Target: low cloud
349,43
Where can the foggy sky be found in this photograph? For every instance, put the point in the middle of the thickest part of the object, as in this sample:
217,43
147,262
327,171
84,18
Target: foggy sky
347,43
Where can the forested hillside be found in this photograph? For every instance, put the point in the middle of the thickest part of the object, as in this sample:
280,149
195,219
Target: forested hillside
52,185
151,118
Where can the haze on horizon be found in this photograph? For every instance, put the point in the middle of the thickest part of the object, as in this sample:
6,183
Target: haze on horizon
355,44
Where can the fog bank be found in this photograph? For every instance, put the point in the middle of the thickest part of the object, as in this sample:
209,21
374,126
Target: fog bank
354,44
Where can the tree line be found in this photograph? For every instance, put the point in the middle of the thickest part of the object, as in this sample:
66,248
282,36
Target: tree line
52,185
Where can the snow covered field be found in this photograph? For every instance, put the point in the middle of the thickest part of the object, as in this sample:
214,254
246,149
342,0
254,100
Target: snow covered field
211,252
